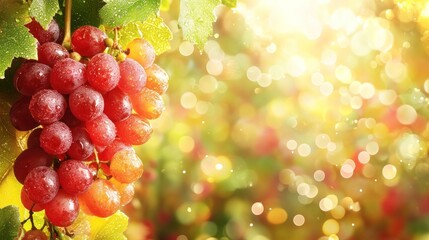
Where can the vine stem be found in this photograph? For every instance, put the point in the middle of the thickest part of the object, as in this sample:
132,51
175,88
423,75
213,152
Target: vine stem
67,24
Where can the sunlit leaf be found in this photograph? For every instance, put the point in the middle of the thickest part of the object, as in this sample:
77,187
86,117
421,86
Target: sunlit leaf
9,222
111,228
196,20
15,40
153,30
43,11
165,5
230,3
121,12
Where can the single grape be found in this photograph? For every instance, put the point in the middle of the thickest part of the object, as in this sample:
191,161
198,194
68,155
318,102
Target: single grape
133,76
81,146
63,209
88,41
74,176
101,199
51,34
31,77
50,52
33,139
85,103
29,159
112,148
67,75
157,79
101,130
56,138
141,51
35,234
126,191
102,72
20,115
29,204
134,130
47,106
126,166
117,105
41,184
148,104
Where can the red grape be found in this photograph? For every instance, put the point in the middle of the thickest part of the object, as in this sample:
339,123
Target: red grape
134,130
126,166
157,79
81,146
101,199
20,115
56,138
117,105
50,52
63,209
41,184
101,130
31,77
148,103
75,177
51,34
113,148
47,106
85,103
141,51
67,75
33,139
35,234
88,41
102,72
133,76
29,159
29,204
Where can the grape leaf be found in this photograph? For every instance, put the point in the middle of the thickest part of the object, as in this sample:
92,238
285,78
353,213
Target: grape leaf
230,3
154,30
84,12
121,12
9,222
15,40
196,19
111,228
44,10
165,5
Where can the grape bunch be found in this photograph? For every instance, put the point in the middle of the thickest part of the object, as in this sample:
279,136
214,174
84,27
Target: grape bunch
85,109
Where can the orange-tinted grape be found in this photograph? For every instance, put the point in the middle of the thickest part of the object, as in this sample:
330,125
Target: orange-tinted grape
126,191
148,103
101,199
134,130
126,166
141,51
157,79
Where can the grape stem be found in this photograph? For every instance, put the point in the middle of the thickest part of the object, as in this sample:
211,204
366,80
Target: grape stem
67,24
30,217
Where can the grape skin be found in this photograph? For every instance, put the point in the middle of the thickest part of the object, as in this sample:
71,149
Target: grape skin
51,34
141,51
126,166
88,41
41,184
47,106
117,105
63,209
134,130
20,115
157,79
35,234
102,72
31,77
74,176
148,103
81,146
67,75
56,138
133,76
29,159
49,53
86,103
101,130
101,199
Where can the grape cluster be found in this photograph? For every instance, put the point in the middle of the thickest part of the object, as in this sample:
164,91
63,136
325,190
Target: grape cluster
85,109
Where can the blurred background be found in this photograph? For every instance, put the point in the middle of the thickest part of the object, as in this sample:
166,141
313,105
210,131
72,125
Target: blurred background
298,120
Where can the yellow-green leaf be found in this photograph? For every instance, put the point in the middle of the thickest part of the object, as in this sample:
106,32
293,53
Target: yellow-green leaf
154,30
44,10
196,20
15,40
165,5
110,228
230,3
121,12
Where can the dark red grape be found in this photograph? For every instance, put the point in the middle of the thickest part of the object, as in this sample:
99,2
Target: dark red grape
50,52
47,106
88,41
117,105
33,139
35,234
75,177
81,147
51,33
133,76
67,75
102,72
41,184
56,138
86,103
20,115
31,77
29,159
63,209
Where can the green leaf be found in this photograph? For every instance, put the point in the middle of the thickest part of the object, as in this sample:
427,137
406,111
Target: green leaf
196,19
165,5
15,40
230,3
121,12
9,222
84,12
44,10
111,228
154,30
